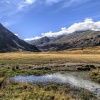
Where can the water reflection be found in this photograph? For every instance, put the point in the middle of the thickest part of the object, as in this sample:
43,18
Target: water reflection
61,78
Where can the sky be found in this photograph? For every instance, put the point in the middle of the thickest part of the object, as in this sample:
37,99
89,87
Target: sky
32,19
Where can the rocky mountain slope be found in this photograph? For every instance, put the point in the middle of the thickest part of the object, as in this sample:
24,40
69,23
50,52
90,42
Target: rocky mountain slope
40,41
10,42
78,39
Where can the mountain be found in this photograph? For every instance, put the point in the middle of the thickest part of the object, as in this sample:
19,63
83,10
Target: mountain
10,42
78,39
40,41
44,41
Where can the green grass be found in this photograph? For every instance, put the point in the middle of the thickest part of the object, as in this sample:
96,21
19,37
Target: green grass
10,72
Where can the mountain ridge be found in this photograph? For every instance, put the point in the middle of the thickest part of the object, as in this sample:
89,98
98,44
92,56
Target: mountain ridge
10,42
78,39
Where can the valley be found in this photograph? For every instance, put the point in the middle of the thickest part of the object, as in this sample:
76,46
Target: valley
47,64
66,67
49,49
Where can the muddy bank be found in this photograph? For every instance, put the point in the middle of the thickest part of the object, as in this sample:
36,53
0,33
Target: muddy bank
54,66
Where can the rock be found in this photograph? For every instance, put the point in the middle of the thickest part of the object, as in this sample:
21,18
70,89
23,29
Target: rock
92,66
83,69
42,68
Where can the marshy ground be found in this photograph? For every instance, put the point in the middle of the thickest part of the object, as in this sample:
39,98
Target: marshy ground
27,63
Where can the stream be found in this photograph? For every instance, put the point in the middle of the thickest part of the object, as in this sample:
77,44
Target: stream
76,79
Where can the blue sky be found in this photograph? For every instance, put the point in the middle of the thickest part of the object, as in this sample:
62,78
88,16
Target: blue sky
32,18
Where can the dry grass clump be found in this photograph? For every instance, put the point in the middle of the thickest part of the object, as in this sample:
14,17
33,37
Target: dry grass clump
95,75
1,79
24,91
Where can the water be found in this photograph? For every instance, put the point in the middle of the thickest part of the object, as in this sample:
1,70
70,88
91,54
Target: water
70,78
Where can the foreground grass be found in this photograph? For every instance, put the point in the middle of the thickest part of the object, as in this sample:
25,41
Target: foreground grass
52,91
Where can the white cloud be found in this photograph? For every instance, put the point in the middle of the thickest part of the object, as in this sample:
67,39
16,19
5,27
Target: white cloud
87,24
11,7
35,38
73,3
70,2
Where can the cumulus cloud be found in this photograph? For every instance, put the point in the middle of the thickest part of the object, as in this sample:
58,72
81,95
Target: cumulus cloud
87,24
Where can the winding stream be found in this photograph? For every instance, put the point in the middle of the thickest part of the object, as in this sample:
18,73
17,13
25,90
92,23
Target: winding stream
71,78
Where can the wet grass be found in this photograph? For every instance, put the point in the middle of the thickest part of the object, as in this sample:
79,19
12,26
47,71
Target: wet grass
12,72
95,75
52,91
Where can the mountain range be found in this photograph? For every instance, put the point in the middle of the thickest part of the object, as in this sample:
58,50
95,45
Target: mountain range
9,42
78,39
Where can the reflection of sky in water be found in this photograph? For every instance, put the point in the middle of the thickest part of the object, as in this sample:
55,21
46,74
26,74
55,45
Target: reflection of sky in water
62,78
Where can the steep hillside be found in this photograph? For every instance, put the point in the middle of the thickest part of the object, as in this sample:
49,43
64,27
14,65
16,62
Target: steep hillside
10,42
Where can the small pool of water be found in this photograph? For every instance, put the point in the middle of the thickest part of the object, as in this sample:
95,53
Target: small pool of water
77,79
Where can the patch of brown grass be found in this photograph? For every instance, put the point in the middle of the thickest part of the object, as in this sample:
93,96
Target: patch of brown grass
89,50
87,55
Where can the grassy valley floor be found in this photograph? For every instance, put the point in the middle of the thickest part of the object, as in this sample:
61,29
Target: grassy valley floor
28,63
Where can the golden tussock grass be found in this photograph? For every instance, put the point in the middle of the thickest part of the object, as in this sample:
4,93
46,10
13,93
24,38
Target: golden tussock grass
88,55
